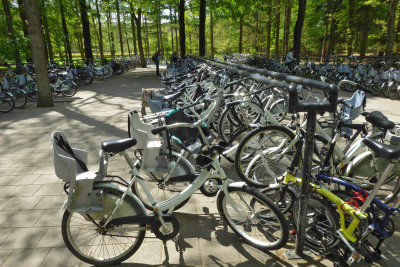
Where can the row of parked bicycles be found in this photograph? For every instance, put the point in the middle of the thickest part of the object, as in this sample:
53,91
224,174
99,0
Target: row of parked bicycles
379,76
18,85
209,115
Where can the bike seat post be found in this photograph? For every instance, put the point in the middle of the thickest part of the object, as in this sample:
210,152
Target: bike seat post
377,186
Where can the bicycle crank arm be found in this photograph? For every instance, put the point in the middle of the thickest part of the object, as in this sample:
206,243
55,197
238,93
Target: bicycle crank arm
354,255
157,228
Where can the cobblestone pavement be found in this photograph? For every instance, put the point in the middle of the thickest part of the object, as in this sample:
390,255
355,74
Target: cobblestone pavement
31,195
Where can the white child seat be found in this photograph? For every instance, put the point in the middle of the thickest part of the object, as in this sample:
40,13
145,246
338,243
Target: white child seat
70,166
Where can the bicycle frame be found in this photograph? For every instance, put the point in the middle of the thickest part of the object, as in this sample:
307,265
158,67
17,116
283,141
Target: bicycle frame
377,223
347,231
170,204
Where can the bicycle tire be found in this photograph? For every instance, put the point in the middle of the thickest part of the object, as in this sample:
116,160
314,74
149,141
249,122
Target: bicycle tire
19,97
265,227
87,241
70,90
249,164
284,198
87,78
6,102
279,109
321,223
231,121
153,183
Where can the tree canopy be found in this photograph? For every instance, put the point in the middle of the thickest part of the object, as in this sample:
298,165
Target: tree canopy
75,28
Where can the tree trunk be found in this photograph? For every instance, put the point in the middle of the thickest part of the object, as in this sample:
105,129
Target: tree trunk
49,46
181,18
212,33
22,15
138,21
241,34
286,27
96,35
364,30
11,30
299,27
269,30
158,34
172,29
161,39
121,43
80,44
202,29
65,30
325,41
350,28
256,31
126,36
111,33
277,25
133,28
100,31
86,30
332,30
397,39
147,36
391,18
45,98
176,31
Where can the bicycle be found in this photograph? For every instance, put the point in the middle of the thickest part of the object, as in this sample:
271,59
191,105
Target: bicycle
6,101
104,224
360,213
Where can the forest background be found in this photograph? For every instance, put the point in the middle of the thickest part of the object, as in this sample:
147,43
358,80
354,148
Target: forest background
115,27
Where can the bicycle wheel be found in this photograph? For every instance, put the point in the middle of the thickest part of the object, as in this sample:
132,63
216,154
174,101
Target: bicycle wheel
236,118
86,78
391,91
279,109
283,197
19,97
155,181
6,102
261,155
68,89
31,91
253,217
321,223
93,244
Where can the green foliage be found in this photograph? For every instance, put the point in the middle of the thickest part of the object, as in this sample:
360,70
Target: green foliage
226,14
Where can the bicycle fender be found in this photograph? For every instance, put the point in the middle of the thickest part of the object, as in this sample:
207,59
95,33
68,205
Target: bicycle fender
122,190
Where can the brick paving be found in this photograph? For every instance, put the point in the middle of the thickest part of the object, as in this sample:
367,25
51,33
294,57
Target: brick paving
31,195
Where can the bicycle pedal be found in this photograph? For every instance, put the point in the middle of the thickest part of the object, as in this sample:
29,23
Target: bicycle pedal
354,258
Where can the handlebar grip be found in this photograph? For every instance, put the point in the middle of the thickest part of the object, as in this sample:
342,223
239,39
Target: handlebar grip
158,130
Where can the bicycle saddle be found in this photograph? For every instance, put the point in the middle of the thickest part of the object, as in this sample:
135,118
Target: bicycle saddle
173,96
382,150
116,146
168,82
376,118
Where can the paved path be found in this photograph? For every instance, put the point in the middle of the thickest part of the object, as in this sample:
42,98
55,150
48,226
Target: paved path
31,195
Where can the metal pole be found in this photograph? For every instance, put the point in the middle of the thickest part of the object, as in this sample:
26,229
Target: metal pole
303,199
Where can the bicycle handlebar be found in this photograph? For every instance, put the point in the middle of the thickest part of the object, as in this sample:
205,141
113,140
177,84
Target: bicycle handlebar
296,106
198,123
